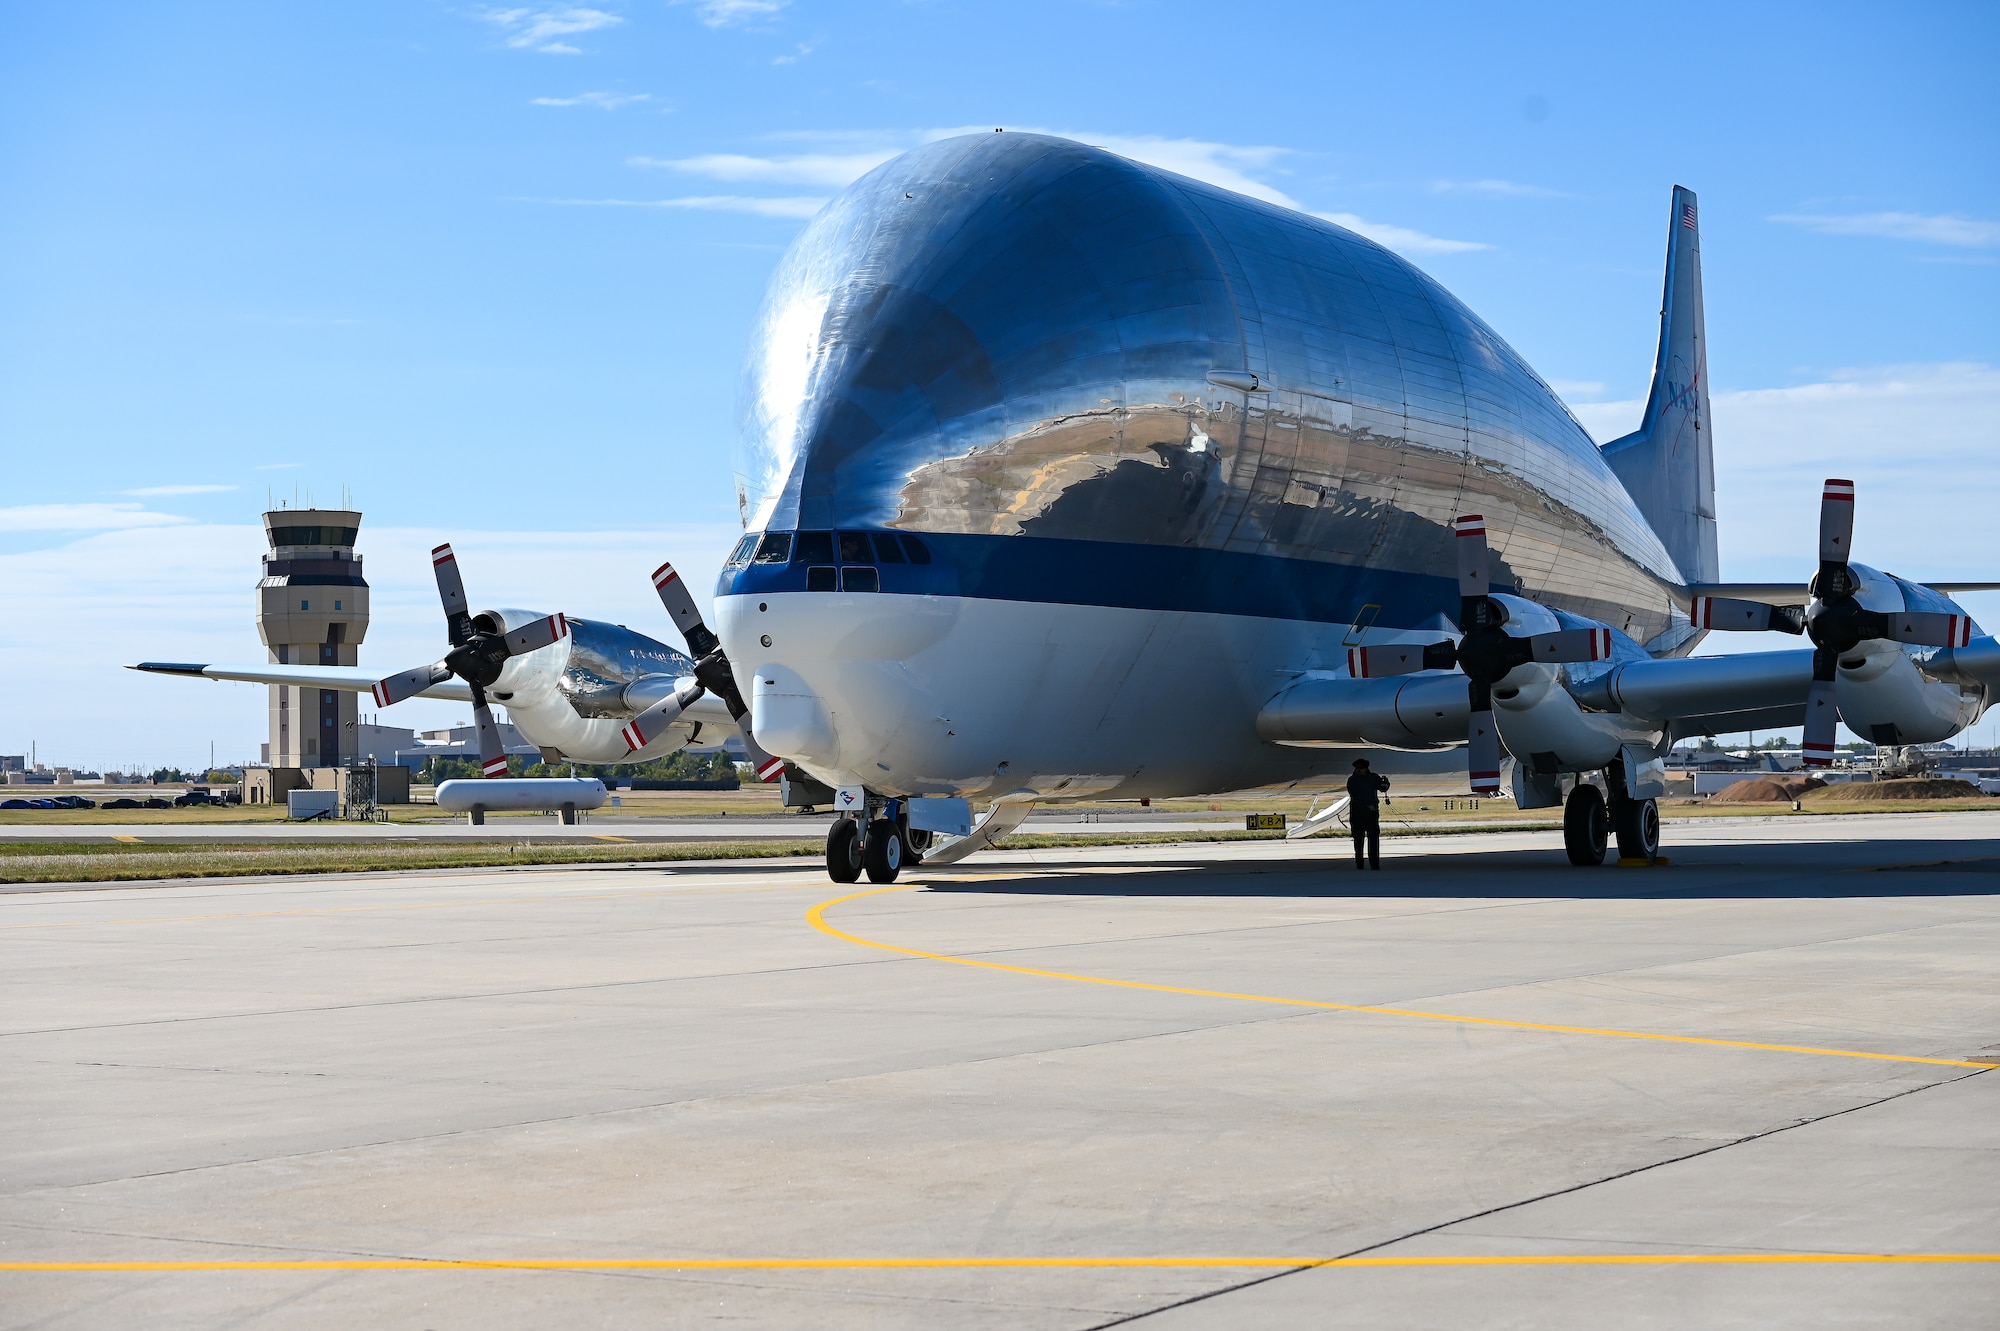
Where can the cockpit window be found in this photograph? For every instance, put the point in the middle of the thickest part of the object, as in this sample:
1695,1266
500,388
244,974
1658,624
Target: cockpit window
814,547
741,554
776,548
854,548
919,552
887,549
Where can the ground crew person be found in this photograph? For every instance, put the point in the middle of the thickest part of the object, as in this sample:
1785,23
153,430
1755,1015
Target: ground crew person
1364,815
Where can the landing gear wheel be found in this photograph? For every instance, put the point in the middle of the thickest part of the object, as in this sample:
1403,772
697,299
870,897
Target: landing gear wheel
915,843
1586,825
843,851
882,856
1638,829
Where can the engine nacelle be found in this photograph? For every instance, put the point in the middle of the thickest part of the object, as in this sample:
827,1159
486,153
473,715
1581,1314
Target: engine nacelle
1883,695
1885,698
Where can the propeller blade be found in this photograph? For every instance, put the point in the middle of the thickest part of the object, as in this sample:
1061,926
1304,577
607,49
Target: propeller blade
650,724
1822,711
711,665
492,753
679,601
451,591
1929,628
1836,521
1822,715
1474,563
1734,616
537,635
1571,645
1380,662
410,683
1482,741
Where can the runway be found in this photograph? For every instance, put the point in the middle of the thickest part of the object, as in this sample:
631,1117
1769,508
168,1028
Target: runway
1195,1086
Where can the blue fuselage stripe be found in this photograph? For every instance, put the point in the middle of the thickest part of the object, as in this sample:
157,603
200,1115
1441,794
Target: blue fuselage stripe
1144,577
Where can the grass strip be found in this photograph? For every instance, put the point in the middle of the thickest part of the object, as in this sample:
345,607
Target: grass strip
99,862
104,862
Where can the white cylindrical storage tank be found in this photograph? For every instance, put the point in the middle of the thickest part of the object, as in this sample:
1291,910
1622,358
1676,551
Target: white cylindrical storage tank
542,794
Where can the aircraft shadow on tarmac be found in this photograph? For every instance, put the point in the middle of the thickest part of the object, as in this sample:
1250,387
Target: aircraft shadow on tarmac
1930,869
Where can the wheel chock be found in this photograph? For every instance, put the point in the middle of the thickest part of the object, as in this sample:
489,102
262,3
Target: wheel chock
1641,862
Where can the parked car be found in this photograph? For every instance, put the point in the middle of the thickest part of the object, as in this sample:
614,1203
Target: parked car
75,802
16,804
123,802
43,803
157,803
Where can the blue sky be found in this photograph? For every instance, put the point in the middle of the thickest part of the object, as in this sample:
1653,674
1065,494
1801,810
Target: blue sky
492,268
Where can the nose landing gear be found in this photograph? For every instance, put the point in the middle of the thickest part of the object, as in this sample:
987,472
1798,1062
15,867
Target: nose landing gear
843,851
881,851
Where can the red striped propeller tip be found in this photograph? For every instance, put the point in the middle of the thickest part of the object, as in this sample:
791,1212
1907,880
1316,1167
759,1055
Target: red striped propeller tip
664,574
1837,489
1471,524
439,554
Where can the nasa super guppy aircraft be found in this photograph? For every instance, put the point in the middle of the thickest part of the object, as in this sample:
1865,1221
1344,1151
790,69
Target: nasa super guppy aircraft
1066,477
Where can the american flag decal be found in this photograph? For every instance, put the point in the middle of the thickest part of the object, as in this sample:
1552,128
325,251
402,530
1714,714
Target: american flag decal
1687,216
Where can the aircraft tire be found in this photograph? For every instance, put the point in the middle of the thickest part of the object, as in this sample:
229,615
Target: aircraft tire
882,854
1586,826
843,851
1638,829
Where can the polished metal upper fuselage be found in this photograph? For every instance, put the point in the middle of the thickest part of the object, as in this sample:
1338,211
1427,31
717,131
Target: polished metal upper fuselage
1035,355
1012,336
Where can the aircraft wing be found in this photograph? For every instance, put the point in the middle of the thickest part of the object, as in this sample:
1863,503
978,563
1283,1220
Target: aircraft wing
346,679
1797,593
707,709
1701,686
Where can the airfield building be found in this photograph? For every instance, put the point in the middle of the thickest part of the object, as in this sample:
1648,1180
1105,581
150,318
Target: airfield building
312,609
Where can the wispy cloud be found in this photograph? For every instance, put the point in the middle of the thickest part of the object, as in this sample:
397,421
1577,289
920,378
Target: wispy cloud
1941,229
1507,188
1231,166
603,101
538,29
83,517
160,491
795,206
1570,388
1402,239
798,53
734,13
829,169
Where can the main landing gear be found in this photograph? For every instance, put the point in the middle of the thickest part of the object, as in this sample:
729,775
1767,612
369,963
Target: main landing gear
1586,825
880,851
1589,824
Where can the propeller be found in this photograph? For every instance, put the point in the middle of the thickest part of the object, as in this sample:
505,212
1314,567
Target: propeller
1836,621
476,656
712,673
1485,652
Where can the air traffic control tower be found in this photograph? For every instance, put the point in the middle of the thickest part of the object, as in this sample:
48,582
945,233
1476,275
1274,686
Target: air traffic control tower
312,609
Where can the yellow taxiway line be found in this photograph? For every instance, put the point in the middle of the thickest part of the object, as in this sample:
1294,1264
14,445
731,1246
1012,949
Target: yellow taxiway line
1003,1263
817,918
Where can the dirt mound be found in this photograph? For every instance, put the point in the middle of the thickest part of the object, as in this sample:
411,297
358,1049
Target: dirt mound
1766,790
1905,788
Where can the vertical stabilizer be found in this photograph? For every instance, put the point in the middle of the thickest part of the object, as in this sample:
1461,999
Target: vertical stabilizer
1668,463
